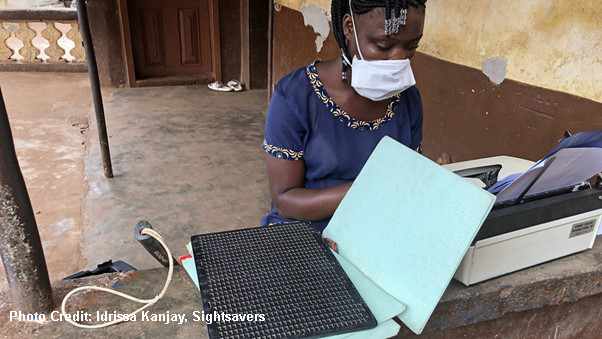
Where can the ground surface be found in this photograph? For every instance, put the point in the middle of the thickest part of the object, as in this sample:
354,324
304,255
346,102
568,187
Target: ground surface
185,158
49,116
181,298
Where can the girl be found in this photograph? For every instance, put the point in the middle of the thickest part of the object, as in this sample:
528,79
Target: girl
324,120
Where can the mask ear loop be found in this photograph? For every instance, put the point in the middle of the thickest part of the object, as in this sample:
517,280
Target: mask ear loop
355,32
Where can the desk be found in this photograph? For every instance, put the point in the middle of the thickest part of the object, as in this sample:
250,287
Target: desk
561,298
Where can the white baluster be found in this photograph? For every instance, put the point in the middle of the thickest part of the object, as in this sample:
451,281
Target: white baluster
39,41
65,43
14,43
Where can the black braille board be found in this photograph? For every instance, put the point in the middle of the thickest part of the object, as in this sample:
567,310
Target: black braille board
285,272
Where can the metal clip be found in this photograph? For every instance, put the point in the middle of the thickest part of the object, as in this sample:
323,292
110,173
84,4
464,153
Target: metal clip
387,26
403,16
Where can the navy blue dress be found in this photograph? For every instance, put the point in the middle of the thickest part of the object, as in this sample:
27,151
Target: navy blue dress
304,124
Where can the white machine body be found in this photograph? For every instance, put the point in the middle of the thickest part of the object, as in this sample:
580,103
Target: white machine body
505,253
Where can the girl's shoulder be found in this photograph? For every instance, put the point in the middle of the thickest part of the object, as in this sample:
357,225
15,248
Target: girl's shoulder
296,84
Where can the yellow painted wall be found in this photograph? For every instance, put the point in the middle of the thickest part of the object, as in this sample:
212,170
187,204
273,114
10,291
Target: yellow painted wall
296,4
555,44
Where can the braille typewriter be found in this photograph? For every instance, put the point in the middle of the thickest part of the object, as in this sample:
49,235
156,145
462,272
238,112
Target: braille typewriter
531,229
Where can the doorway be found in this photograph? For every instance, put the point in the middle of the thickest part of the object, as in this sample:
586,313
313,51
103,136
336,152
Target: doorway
173,41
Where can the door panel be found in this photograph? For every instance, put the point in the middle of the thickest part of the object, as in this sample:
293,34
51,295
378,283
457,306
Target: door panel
151,20
171,37
190,51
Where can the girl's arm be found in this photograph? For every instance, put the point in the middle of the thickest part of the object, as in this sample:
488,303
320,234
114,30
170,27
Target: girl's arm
290,197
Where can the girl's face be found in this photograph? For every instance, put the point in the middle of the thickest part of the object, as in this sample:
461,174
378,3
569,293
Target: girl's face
374,44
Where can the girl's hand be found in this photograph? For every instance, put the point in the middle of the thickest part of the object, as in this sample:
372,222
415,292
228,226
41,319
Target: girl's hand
444,159
332,244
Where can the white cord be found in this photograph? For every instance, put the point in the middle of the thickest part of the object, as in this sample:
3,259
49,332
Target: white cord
148,302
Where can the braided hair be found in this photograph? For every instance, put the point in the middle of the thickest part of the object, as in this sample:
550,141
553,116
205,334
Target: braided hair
341,7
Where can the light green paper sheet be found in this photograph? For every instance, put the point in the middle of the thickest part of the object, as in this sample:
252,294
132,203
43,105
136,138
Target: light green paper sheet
406,223
190,266
383,306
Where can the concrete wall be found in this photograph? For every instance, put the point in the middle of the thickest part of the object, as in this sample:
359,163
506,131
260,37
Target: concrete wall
105,27
551,52
52,34
297,4
57,56
554,44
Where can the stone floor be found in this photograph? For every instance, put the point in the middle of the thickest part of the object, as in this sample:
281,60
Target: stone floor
50,116
185,158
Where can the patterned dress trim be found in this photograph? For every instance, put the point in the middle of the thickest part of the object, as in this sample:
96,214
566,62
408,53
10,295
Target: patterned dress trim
281,153
341,115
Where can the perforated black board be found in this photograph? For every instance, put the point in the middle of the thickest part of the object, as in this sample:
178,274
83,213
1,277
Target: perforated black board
285,272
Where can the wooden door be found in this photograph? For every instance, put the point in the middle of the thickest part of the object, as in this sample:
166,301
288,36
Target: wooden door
171,37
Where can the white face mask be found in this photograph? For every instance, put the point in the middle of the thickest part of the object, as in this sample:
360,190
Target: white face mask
379,79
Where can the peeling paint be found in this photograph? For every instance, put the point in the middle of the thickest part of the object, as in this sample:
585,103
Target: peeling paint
495,69
277,6
317,19
297,4
550,44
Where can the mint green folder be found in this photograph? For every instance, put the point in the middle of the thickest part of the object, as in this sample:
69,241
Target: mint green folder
406,224
190,267
383,306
